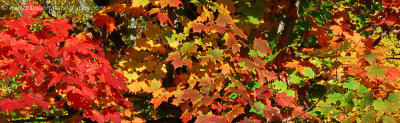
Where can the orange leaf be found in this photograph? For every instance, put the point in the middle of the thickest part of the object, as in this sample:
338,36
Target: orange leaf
171,3
237,110
176,59
261,46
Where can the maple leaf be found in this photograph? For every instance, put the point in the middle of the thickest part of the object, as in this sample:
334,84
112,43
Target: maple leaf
375,71
392,73
112,115
226,69
270,112
186,116
163,17
94,115
236,110
261,46
35,98
215,54
308,72
19,26
176,59
285,101
238,31
264,92
230,39
139,3
56,79
59,26
31,9
193,95
217,119
224,19
101,19
188,47
198,27
171,3
116,81
8,105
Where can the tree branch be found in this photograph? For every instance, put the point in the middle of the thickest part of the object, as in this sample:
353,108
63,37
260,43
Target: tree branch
290,23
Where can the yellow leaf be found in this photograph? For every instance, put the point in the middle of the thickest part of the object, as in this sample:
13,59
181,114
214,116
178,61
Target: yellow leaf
138,3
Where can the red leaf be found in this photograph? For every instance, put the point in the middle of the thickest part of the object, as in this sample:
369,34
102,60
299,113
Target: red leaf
185,117
198,27
20,27
163,17
116,81
8,105
94,115
101,19
392,73
35,98
264,93
59,26
270,112
285,101
217,119
32,9
171,3
56,79
112,116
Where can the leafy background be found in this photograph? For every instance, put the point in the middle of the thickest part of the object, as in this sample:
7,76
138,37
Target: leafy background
202,60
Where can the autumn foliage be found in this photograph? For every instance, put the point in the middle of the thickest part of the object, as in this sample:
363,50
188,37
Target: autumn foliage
205,61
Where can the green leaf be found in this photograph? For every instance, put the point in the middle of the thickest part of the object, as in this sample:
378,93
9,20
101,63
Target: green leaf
181,37
233,96
186,47
393,97
368,117
346,58
351,84
279,85
171,39
375,71
383,106
345,46
308,72
348,101
366,100
362,89
254,85
333,98
371,58
290,92
258,108
296,80
215,53
387,119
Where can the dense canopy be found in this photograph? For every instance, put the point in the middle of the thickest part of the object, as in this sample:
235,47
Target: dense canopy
200,61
